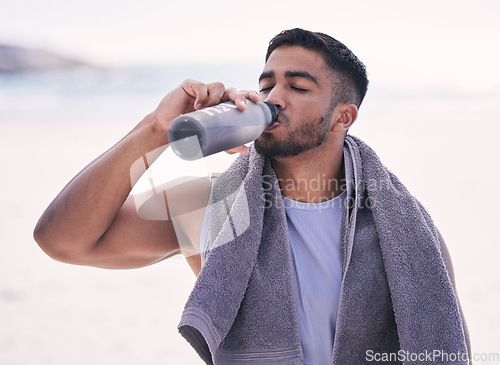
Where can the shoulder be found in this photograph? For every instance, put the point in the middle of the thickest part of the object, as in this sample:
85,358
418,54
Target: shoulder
445,254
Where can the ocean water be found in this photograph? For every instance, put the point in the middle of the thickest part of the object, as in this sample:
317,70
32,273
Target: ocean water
442,143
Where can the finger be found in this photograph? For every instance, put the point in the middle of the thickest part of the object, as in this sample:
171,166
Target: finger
244,150
215,92
198,90
252,95
242,96
232,94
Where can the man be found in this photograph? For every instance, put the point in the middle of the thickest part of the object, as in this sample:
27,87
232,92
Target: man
291,287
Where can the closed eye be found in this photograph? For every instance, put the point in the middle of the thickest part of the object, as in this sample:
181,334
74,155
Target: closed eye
269,88
298,89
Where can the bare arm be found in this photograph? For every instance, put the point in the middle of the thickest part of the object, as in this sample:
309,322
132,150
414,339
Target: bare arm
93,221
449,267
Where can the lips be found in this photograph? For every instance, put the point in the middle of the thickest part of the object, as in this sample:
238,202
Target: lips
272,126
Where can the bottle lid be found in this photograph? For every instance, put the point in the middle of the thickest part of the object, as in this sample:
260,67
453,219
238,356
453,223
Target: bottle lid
274,111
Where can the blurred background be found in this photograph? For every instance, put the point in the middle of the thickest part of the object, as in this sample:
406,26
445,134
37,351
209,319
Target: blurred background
76,76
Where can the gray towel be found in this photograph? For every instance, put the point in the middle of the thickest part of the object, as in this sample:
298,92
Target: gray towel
396,297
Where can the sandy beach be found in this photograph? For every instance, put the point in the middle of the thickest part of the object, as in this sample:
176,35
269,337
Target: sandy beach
445,151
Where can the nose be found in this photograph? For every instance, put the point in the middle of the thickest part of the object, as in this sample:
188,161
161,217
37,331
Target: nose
276,97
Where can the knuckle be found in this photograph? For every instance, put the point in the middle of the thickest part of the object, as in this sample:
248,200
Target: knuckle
189,82
216,90
216,87
219,85
192,86
195,84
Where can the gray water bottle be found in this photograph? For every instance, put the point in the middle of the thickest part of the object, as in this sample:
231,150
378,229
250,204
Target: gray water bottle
219,128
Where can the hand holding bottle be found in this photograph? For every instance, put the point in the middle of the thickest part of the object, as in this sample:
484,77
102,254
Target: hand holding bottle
218,128
193,95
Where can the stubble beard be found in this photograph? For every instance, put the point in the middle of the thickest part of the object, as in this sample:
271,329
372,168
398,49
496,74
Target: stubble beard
305,137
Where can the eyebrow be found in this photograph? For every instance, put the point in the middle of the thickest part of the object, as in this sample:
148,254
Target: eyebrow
289,74
266,75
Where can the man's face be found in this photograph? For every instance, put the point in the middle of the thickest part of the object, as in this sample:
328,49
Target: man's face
298,82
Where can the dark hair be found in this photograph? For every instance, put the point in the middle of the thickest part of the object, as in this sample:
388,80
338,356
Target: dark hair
350,71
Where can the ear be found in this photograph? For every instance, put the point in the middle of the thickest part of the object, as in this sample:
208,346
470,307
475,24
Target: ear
345,116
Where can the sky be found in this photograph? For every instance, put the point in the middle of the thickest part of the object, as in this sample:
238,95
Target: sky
452,43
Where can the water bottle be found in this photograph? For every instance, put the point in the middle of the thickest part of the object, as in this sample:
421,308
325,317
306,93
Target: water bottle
219,128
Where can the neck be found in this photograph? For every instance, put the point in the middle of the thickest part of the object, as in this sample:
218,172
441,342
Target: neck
314,176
